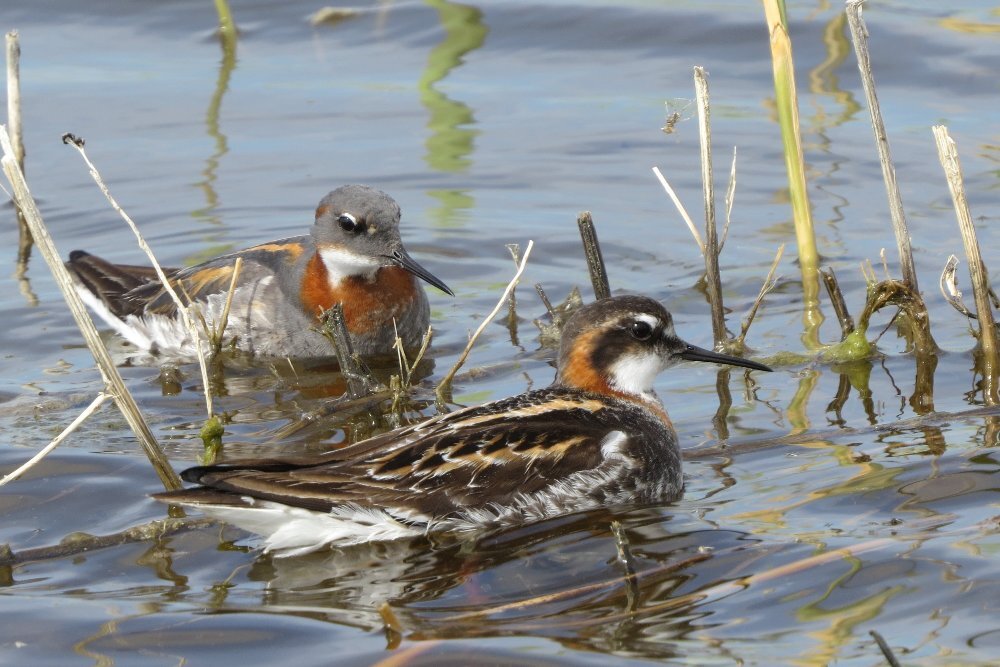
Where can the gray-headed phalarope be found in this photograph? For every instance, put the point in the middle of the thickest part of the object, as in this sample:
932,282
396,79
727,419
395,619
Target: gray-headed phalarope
353,256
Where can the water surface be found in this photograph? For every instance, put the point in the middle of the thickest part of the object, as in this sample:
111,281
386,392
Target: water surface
495,123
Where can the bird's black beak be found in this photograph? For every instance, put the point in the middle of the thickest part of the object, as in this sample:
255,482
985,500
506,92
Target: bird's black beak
695,353
400,257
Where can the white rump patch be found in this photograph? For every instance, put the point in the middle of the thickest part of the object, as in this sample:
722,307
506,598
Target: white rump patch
342,263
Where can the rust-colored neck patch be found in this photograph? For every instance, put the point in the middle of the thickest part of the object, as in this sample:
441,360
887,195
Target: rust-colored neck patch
369,304
580,372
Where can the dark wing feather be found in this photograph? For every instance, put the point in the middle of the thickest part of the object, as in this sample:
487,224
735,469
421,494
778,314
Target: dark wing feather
197,282
467,459
112,282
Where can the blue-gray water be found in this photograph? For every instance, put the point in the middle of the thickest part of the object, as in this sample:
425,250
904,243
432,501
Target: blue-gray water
491,124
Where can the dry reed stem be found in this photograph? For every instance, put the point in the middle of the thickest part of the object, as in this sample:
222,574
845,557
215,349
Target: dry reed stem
445,385
859,35
948,154
182,308
112,379
42,453
595,260
14,98
220,329
24,241
680,209
713,280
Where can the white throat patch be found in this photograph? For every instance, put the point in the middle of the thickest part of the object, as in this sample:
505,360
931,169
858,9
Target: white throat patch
634,374
342,263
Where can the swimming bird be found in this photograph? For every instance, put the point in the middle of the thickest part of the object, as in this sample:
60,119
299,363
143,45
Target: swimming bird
598,436
353,256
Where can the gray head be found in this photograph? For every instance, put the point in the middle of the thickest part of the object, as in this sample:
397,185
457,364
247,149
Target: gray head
618,345
357,228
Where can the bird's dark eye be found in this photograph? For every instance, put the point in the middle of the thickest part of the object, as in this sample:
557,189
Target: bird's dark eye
640,330
347,222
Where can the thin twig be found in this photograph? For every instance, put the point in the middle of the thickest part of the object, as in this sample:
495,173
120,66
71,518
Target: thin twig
769,282
730,199
680,209
859,34
42,453
595,260
112,378
445,385
713,280
545,302
182,308
885,648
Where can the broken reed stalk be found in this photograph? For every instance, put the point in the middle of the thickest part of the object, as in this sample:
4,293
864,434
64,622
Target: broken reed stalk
786,101
680,209
14,98
24,241
359,382
444,386
182,308
595,260
948,154
837,301
713,280
112,379
859,35
42,453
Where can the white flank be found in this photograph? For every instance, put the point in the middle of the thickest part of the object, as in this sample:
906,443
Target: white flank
130,333
342,263
634,374
613,447
167,335
293,531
